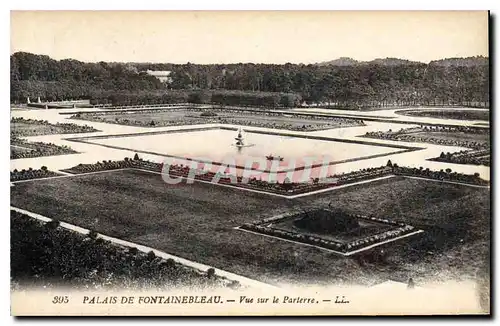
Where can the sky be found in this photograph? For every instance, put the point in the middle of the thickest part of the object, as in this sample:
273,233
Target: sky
279,37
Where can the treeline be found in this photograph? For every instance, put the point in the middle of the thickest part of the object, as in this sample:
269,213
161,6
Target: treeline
461,81
384,82
40,76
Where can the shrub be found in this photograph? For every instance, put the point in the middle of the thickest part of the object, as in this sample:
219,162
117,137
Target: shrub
151,255
208,114
170,263
234,285
52,225
211,272
92,235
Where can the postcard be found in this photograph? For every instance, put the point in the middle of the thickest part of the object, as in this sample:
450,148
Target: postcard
249,163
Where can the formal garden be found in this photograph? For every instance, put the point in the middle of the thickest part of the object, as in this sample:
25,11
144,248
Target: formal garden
286,187
331,229
197,221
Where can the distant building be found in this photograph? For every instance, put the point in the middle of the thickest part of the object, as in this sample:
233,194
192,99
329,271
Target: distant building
163,76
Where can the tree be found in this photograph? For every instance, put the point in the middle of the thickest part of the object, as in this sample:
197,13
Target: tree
351,85
52,225
151,255
211,272
411,283
92,235
170,263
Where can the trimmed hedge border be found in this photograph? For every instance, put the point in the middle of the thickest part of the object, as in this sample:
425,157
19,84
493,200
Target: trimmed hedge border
399,229
286,189
32,174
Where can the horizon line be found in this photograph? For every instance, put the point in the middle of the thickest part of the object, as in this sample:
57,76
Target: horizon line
255,63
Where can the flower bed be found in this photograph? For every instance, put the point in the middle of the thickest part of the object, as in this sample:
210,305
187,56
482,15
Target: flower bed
284,188
45,254
21,127
31,174
443,175
397,230
24,149
425,134
474,157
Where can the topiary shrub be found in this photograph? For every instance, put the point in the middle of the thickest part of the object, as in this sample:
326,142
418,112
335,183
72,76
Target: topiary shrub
170,263
52,225
151,255
92,235
211,272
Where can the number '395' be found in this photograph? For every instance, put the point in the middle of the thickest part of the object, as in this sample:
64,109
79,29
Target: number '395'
60,299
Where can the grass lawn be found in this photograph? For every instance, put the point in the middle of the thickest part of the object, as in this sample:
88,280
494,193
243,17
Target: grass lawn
190,117
24,128
197,222
16,150
24,149
459,136
449,114
21,128
366,228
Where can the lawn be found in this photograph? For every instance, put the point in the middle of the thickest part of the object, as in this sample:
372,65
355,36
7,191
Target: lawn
20,127
460,136
31,129
16,151
364,229
197,222
192,117
20,148
449,114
